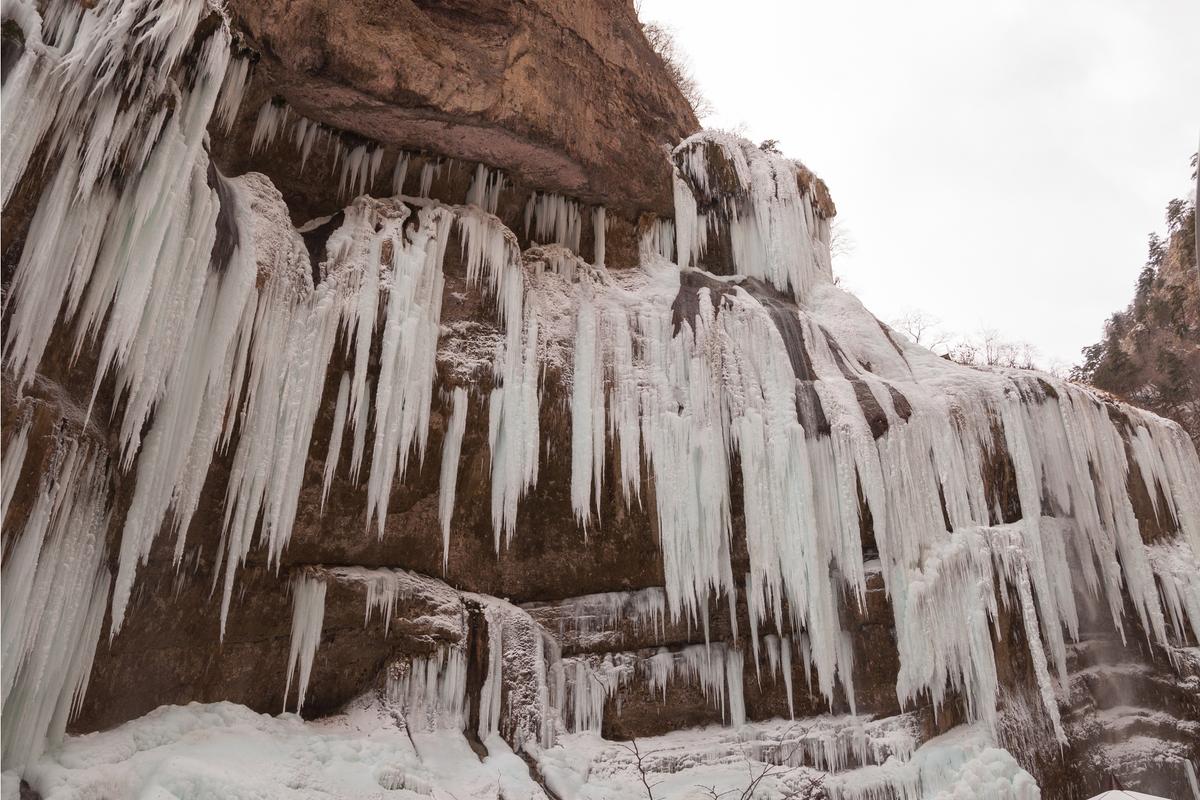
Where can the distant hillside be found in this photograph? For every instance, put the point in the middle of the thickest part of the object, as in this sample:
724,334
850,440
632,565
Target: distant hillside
1150,353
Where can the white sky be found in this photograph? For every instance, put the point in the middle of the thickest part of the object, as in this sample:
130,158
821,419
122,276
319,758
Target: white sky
997,164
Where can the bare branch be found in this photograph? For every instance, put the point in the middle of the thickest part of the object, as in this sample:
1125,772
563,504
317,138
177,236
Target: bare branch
639,759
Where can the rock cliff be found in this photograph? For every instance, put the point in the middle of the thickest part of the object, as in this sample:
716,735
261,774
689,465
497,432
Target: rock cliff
416,367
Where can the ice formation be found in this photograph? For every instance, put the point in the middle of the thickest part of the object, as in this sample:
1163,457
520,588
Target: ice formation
962,763
486,185
308,616
553,219
588,619
197,295
56,585
430,690
451,448
357,164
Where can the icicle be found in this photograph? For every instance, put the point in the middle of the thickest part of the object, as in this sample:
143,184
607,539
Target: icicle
308,617
785,664
587,410
491,692
429,170
335,435
774,232
451,448
56,586
14,459
359,168
599,225
716,669
272,117
583,621
485,188
233,88
431,691
591,682
409,349
513,427
399,172
553,219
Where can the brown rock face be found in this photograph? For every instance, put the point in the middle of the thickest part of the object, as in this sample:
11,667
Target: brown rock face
563,96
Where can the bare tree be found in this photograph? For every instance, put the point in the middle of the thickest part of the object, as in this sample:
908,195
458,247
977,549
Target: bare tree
922,327
806,785
989,349
662,41
640,762
841,241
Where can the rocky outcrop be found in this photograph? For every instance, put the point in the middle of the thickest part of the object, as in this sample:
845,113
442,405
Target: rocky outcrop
564,97
1150,352
438,380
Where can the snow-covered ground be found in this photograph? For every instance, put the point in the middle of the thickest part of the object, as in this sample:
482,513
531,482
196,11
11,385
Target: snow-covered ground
227,751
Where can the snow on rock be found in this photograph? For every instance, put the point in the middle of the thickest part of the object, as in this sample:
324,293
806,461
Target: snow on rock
225,750
837,757
373,749
594,621
959,765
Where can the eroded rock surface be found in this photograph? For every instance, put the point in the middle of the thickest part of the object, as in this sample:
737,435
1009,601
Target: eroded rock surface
595,448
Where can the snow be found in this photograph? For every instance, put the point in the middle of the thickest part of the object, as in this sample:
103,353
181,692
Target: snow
378,747
869,760
228,751
959,765
774,371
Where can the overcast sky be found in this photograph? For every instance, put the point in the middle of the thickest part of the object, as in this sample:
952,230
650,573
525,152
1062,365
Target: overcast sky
997,164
